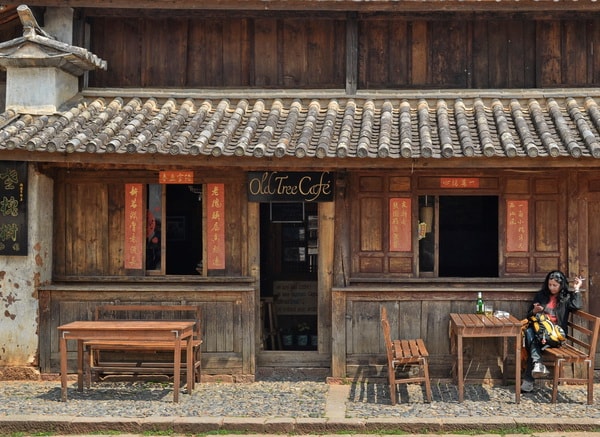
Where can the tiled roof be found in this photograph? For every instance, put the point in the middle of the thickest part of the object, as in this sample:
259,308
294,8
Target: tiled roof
445,126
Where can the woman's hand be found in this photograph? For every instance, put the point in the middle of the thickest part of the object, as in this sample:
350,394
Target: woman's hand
537,308
577,284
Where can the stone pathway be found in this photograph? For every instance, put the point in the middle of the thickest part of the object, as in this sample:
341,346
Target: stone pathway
288,407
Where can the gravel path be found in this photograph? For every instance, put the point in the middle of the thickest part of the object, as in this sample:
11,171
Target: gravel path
290,399
147,399
372,400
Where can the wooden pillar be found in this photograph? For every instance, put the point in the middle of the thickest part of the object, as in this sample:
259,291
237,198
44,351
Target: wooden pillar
325,273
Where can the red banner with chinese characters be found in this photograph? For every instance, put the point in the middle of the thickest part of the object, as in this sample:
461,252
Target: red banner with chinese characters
517,226
400,224
176,177
459,182
134,226
215,211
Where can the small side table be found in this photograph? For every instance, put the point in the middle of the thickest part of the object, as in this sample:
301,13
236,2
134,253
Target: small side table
477,325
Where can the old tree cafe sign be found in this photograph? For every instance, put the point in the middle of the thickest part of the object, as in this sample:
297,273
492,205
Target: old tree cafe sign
273,186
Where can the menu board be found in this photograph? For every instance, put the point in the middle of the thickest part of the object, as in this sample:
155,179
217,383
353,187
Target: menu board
295,297
13,208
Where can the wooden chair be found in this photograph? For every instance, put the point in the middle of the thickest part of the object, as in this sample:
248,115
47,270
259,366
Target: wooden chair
402,353
579,348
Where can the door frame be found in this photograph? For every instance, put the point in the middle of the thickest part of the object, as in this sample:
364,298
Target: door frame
321,358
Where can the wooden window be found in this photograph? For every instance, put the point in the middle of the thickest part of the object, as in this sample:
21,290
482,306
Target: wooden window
465,231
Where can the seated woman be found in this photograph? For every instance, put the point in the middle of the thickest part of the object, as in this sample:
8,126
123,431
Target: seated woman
556,301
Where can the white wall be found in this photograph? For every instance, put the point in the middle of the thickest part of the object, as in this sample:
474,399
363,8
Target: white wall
20,277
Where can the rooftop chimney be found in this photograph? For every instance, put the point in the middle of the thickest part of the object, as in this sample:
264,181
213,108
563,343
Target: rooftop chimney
41,72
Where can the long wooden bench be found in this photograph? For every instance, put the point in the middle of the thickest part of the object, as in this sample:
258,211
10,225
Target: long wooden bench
579,348
141,358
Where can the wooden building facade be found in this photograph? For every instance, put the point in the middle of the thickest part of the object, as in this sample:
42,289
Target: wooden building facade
323,159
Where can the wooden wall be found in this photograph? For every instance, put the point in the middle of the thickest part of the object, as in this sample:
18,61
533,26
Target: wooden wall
89,222
219,52
372,256
420,312
327,51
228,319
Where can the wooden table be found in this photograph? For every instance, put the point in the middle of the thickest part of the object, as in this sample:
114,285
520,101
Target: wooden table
127,330
476,325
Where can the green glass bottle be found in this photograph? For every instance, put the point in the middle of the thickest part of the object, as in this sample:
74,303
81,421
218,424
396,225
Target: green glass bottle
479,306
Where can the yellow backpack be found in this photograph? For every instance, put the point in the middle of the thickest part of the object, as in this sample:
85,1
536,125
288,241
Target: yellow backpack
548,333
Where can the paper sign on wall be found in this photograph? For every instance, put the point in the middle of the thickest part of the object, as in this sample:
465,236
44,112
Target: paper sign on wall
517,226
215,210
400,224
134,226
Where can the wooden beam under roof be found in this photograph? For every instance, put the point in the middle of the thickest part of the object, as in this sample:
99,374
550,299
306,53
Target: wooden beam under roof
334,5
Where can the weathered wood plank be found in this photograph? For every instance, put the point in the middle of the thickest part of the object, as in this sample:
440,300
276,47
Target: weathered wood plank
265,53
116,40
371,224
169,37
576,47
339,335
374,56
419,55
294,57
546,225
237,58
114,240
449,60
548,40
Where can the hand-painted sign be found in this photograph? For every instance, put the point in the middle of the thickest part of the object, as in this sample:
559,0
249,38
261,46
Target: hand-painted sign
459,183
176,177
517,226
400,224
134,226
215,212
273,186
13,208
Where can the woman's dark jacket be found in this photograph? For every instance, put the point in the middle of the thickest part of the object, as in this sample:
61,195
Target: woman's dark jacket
567,302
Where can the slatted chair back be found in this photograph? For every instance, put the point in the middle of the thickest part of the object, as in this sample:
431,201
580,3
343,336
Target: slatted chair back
580,348
404,352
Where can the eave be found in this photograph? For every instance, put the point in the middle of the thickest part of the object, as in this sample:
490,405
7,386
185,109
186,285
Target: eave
334,5
303,129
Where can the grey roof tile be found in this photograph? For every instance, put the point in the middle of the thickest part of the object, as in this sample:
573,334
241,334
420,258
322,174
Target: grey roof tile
385,128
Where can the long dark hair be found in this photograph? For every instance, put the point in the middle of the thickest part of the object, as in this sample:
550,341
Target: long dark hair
559,277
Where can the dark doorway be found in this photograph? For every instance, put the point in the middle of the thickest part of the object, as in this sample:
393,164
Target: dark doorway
184,229
288,289
468,236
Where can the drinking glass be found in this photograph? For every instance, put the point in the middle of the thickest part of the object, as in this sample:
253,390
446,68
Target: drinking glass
488,309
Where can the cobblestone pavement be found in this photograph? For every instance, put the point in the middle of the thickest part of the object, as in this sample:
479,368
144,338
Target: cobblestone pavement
296,399
291,406
372,400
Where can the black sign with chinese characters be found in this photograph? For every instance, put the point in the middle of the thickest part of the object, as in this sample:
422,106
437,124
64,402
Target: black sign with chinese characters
13,208
274,186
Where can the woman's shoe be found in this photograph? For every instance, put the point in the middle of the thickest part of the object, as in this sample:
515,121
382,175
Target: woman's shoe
527,386
539,370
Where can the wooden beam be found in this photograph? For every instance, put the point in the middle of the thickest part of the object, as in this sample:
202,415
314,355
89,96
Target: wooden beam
329,5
